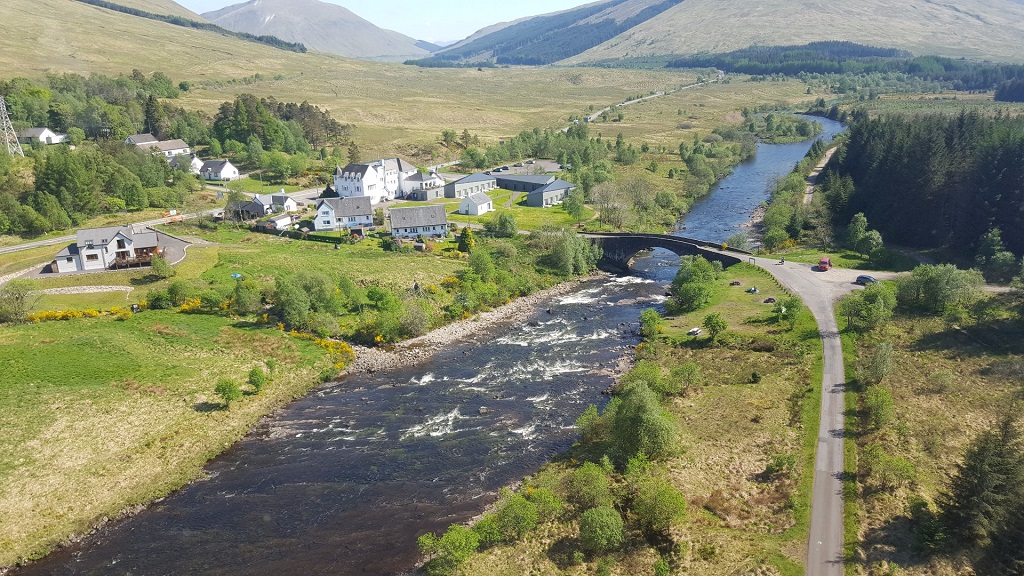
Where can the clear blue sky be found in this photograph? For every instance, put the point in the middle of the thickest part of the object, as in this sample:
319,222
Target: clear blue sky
430,20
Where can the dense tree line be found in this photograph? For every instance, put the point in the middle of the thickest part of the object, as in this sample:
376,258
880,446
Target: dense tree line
1010,91
544,39
188,23
933,180
848,58
276,126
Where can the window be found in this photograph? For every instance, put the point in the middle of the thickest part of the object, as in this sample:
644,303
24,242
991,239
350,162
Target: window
327,222
325,213
69,259
92,257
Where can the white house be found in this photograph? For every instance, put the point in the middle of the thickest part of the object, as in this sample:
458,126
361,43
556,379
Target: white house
379,180
41,135
112,247
281,222
343,213
222,170
277,202
419,221
195,164
167,148
261,205
476,204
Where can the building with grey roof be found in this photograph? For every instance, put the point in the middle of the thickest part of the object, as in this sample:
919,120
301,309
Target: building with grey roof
343,213
41,136
109,247
419,221
553,193
471,184
476,204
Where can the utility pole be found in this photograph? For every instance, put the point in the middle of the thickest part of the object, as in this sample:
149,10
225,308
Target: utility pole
10,137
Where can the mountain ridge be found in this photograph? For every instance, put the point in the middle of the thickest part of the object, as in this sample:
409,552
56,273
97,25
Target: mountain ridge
320,26
975,29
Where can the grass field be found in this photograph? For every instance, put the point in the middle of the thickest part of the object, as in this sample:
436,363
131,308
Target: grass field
738,521
135,418
949,382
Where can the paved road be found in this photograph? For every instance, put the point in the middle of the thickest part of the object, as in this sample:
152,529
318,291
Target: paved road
819,290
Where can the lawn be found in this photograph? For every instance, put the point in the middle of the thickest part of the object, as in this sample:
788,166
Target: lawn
134,419
739,521
887,260
253,185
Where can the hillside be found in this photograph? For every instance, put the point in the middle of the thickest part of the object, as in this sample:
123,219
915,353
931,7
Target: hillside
165,7
320,26
980,29
552,37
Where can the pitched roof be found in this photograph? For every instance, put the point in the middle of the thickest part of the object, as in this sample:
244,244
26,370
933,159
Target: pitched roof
398,164
418,216
352,206
558,184
69,250
359,169
215,166
421,177
168,145
33,132
542,180
479,198
139,139
143,238
474,178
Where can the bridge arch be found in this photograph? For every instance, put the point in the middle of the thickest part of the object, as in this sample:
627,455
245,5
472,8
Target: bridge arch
619,249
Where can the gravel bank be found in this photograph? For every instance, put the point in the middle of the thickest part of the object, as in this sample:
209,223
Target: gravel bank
423,347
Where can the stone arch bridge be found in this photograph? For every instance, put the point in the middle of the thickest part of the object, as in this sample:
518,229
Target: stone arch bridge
620,248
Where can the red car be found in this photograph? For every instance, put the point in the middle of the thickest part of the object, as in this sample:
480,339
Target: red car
824,264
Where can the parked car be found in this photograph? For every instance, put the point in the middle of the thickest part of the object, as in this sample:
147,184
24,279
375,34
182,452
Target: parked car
864,280
518,164
505,168
530,162
825,264
694,332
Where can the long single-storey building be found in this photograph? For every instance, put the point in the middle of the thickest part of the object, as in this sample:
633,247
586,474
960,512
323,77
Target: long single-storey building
542,191
471,184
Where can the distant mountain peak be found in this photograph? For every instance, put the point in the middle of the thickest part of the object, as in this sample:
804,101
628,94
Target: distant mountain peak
321,26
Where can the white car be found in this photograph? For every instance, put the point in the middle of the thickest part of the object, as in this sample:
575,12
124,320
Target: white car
694,332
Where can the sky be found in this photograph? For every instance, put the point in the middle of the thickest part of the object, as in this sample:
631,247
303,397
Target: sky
430,20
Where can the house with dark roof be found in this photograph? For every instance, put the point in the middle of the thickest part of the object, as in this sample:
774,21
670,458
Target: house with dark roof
471,184
343,213
141,139
41,136
110,247
261,205
476,204
221,170
166,148
419,221
542,191
380,180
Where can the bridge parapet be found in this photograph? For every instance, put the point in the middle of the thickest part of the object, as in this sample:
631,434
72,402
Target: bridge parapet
620,248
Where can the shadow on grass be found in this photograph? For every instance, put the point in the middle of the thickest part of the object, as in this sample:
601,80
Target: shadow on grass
207,407
1001,336
145,280
561,552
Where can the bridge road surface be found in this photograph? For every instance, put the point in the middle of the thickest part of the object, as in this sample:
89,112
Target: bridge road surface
819,290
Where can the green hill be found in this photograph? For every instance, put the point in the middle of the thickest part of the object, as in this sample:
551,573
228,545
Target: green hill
977,29
165,7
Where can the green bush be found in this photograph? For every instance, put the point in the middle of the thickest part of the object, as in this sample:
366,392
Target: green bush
450,551
258,379
515,517
641,425
159,300
658,505
228,390
650,323
589,487
548,504
880,406
162,268
601,530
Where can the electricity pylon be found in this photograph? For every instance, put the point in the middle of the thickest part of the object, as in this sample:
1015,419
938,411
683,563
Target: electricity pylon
10,137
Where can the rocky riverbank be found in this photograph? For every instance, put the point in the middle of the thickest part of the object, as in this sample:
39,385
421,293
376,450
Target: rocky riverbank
416,350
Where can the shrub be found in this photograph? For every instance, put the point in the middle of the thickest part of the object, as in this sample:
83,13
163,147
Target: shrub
258,379
880,407
589,487
515,517
450,551
159,300
692,297
549,505
650,323
641,425
502,225
601,530
228,390
15,301
658,505
162,268
685,376
715,325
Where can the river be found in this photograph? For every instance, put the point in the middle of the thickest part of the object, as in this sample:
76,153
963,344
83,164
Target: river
344,480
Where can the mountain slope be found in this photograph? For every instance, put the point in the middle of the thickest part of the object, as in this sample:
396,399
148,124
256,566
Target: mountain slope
165,7
320,26
551,37
980,29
